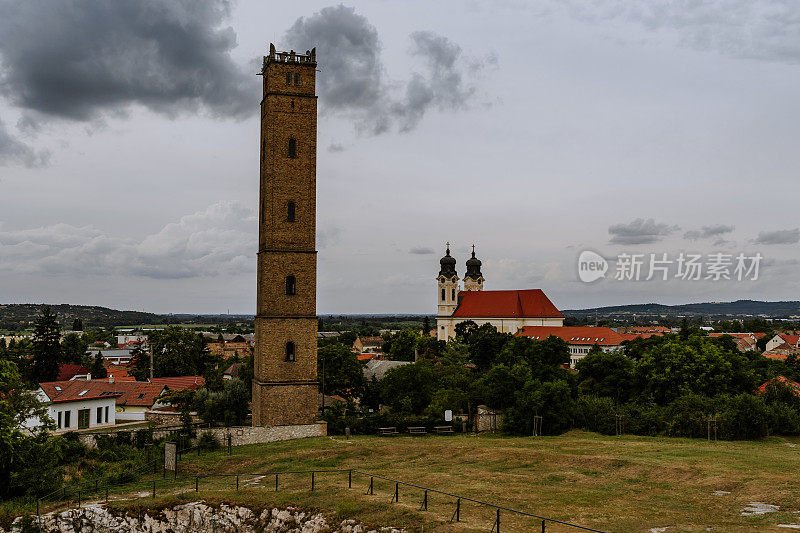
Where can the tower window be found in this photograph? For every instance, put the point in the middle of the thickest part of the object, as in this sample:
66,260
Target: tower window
292,147
292,104
297,79
454,295
290,211
444,295
290,351
288,78
291,285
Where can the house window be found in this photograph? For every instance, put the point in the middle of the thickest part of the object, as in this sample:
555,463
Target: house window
288,78
106,413
290,211
99,419
443,295
291,285
290,351
297,79
66,418
292,148
59,420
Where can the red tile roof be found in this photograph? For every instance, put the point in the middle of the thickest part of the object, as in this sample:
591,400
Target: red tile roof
532,303
180,382
119,372
131,393
585,335
791,340
794,386
631,336
68,371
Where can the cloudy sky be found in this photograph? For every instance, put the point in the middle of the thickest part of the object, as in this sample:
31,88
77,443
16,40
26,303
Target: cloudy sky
536,130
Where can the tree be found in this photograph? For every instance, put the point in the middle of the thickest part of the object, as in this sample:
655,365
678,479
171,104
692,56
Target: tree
608,374
98,370
140,364
401,347
426,325
343,374
228,406
74,349
483,342
408,388
180,352
46,348
77,325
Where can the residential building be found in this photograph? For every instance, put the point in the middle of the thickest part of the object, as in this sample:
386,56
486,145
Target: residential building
77,404
580,339
366,344
131,340
70,372
791,340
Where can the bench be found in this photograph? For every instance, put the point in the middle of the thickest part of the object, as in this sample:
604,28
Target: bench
418,430
384,432
443,430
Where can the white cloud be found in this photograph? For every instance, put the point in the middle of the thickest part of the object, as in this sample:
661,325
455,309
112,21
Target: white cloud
218,240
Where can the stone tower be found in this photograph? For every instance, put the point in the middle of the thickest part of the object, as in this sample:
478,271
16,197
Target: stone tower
473,279
285,390
447,295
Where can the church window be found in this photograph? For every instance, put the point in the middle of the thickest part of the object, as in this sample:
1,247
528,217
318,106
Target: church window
291,285
292,147
454,295
288,78
297,79
290,351
290,211
444,295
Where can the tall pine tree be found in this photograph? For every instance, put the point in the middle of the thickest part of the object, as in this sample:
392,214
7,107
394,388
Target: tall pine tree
46,347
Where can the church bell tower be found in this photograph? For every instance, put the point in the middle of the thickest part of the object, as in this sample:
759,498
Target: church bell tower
447,295
473,279
285,390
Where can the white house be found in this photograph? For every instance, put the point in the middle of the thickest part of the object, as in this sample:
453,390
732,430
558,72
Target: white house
580,339
77,404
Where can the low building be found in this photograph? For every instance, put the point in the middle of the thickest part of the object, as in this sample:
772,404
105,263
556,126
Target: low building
232,372
131,340
180,382
71,372
778,381
745,342
793,341
118,357
368,344
77,404
580,339
377,368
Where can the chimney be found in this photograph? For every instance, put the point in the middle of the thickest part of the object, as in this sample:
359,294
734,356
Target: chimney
111,378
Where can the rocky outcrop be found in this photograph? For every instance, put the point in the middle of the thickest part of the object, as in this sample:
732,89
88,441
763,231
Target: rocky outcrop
190,517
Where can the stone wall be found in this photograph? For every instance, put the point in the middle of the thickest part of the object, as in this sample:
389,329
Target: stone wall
242,435
488,419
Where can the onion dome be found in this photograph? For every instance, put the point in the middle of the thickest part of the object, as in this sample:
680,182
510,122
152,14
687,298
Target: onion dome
473,266
448,264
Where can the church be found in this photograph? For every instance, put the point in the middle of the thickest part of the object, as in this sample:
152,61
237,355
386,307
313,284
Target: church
508,311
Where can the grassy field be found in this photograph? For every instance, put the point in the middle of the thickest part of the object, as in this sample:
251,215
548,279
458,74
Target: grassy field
612,484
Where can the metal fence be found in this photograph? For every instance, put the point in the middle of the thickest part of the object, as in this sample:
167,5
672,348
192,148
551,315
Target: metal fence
499,515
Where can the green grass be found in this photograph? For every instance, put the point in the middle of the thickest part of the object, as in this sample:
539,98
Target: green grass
613,484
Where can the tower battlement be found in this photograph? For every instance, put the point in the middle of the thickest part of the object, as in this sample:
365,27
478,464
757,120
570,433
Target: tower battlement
309,58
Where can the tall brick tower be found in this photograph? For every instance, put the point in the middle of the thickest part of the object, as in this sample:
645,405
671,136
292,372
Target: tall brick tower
285,390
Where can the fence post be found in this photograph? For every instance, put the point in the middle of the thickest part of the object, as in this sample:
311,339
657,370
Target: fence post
312,481
154,488
196,483
396,493
458,510
106,493
79,498
425,501
38,515
237,483
276,482
349,479
543,521
498,520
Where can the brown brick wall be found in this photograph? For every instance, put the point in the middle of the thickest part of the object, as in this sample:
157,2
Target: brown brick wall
285,393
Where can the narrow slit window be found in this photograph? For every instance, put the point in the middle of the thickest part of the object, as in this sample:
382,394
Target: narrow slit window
297,79
290,351
444,295
292,147
288,78
454,295
290,211
291,285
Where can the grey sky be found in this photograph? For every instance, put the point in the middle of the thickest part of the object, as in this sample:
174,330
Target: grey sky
129,145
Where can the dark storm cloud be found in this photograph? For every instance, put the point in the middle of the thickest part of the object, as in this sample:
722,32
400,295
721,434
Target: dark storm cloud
81,59
353,81
640,231
420,250
707,232
784,236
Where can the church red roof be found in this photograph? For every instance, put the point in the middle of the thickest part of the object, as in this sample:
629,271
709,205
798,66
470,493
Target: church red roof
583,335
531,303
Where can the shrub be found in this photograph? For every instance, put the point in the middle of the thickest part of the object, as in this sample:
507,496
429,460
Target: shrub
208,441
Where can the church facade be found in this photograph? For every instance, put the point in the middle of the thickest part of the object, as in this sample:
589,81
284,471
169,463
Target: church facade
509,311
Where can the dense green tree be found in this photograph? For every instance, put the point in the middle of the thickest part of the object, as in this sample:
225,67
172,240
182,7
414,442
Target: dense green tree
228,406
342,372
98,370
401,345
409,388
544,358
608,374
484,343
46,347
552,400
429,347
74,349
180,352
139,367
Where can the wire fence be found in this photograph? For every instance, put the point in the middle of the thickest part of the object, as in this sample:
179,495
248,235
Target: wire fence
499,516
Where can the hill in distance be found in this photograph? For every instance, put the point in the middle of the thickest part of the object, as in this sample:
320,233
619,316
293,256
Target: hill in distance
739,308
